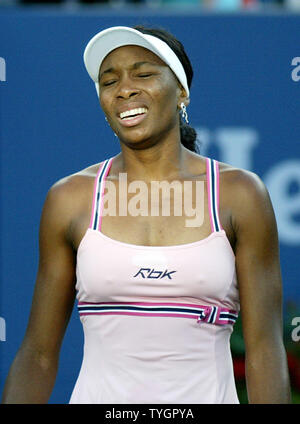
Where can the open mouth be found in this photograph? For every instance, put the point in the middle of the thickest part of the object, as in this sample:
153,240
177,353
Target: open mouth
133,117
132,113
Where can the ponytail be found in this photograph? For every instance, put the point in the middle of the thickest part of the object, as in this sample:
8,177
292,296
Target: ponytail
188,136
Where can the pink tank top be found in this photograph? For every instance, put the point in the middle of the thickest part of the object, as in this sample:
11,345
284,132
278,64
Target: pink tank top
157,320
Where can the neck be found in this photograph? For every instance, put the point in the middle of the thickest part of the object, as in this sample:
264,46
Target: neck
159,162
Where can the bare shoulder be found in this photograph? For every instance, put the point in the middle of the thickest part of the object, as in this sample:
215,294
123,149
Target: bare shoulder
67,196
248,196
241,183
74,185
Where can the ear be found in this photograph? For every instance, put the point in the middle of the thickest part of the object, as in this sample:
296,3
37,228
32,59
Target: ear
182,97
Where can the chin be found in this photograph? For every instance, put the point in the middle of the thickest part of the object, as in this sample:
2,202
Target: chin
136,138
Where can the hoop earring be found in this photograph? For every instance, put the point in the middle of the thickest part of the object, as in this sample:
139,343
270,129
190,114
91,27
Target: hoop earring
184,112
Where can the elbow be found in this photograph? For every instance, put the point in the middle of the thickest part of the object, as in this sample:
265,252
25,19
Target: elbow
42,359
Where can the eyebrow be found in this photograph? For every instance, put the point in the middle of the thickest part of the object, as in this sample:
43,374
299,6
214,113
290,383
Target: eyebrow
136,65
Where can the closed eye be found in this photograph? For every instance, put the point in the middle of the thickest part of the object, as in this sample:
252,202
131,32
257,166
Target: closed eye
107,83
144,75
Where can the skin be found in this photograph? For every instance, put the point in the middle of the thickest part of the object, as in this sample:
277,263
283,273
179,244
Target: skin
152,151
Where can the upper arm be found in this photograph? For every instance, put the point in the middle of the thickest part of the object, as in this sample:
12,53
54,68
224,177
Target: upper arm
54,292
257,262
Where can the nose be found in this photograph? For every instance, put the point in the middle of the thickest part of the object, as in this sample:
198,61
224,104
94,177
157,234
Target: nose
126,89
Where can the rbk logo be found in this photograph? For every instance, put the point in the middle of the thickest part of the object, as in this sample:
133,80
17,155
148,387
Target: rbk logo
152,273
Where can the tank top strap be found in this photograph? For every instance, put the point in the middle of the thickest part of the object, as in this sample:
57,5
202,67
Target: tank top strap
212,178
99,185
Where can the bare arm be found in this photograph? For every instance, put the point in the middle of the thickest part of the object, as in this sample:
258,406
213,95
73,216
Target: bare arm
32,375
260,288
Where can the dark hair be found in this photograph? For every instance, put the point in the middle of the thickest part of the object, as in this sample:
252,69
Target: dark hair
188,135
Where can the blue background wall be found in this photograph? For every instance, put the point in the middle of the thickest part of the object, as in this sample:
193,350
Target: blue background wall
245,103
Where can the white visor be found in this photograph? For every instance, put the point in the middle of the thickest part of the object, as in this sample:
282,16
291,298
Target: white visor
112,38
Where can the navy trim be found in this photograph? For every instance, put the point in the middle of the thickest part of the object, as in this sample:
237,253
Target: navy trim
136,308
95,223
213,194
213,315
201,312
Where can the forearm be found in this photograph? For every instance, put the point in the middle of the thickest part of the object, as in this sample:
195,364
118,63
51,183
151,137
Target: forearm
267,375
30,380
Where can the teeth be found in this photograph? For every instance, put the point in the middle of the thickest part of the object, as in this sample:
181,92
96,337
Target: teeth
131,112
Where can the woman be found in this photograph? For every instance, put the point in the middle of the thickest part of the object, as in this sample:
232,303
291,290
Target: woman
157,298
